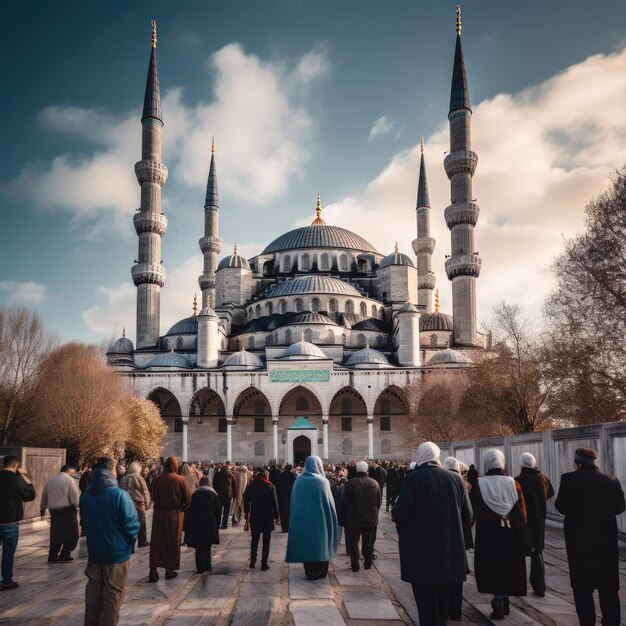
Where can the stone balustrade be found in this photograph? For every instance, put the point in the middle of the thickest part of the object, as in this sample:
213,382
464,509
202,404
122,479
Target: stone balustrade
149,171
150,223
463,265
148,273
460,161
210,244
461,213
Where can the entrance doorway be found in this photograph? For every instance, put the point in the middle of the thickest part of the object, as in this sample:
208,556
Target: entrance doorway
301,449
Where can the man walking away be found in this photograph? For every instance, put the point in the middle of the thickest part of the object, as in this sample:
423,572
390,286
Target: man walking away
61,495
111,524
360,503
433,517
15,489
135,485
590,501
393,481
225,485
537,491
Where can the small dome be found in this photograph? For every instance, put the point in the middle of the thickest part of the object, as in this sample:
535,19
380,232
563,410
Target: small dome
449,357
122,346
303,348
408,308
436,321
234,260
312,284
243,358
312,318
169,359
367,356
396,258
188,326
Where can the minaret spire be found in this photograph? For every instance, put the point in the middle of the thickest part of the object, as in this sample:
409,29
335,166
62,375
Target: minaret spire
210,244
424,245
463,266
318,221
150,224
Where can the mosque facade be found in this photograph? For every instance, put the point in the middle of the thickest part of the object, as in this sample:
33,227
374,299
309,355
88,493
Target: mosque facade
313,344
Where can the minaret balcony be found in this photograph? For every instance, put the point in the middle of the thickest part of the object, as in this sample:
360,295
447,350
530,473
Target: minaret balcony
426,281
460,162
423,244
148,273
210,244
151,172
463,265
462,213
150,223
206,282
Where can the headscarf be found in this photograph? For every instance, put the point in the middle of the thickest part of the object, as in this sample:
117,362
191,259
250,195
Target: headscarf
428,452
493,459
171,465
526,459
452,464
498,492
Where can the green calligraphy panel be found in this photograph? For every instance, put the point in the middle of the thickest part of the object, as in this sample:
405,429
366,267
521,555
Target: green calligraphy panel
300,376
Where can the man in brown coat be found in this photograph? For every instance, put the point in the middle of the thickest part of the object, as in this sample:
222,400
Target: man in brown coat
171,496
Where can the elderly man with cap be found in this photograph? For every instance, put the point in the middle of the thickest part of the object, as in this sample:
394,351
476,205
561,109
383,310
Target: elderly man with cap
537,490
590,501
433,517
361,500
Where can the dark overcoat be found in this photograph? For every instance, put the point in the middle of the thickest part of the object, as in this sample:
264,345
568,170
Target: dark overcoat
433,517
360,503
225,484
537,489
202,519
260,502
590,501
285,487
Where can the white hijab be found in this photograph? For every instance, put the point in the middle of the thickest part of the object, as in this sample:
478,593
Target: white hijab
498,492
452,464
428,452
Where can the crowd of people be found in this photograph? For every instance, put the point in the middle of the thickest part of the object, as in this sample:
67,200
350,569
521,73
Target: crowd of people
433,504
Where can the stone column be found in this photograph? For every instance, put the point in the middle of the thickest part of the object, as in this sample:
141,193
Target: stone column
185,423
325,437
370,437
229,438
275,439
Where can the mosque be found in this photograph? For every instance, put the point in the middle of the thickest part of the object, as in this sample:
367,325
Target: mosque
310,346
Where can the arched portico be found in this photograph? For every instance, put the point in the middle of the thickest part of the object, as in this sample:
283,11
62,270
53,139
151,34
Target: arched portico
207,422
391,413
299,402
348,418
169,408
252,413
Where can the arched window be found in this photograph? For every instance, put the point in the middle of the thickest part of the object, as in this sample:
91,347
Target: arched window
179,343
324,262
315,305
282,306
269,308
308,335
259,448
286,264
298,305
374,311
302,404
305,263
380,341
346,406
343,263
332,305
361,341
346,447
268,339
363,309
349,308
164,344
250,342
288,336
257,310
433,339
385,446
344,339
222,449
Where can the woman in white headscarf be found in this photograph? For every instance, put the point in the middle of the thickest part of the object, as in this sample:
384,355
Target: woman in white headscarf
499,559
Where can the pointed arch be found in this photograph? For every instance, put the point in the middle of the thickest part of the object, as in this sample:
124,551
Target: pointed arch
286,405
169,408
348,401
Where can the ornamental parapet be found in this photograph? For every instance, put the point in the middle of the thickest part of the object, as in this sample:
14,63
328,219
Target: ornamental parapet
206,282
150,223
426,281
462,213
463,265
151,172
423,244
210,244
148,273
460,161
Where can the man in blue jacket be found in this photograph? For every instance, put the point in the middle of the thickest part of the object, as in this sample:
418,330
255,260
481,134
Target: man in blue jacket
111,525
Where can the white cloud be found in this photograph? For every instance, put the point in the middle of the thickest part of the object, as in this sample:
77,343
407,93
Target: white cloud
262,141
383,125
28,293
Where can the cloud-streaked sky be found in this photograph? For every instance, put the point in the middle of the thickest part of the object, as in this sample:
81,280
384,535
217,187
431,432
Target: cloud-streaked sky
301,97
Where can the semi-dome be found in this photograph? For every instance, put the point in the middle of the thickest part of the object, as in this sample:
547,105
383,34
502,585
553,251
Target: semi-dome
313,284
169,359
303,349
436,321
312,318
243,358
367,356
396,258
122,346
449,357
234,260
320,236
187,326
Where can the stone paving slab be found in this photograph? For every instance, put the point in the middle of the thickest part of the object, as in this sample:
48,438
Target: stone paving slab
302,589
315,613
370,605
516,618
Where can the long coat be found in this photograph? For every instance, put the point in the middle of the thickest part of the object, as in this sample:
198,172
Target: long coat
260,502
433,517
171,496
225,484
360,503
202,519
590,500
499,561
285,487
537,489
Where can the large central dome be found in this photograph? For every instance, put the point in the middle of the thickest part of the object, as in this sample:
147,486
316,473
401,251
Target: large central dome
320,236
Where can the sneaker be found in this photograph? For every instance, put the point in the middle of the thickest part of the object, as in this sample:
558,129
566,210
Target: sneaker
7,586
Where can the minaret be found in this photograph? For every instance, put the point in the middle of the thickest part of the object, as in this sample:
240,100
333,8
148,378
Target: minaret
210,244
424,245
463,266
148,273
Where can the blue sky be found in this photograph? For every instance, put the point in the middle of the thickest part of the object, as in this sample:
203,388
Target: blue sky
293,91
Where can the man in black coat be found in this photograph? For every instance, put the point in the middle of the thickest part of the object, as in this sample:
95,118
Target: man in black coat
359,504
433,517
537,490
225,485
590,501
393,481
261,509
285,487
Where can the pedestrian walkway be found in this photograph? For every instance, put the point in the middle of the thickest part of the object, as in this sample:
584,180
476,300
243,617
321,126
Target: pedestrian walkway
235,594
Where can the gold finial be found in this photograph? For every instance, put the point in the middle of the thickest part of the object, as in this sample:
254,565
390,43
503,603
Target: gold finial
154,38
235,249
195,305
124,331
437,301
212,144
458,19
367,346
318,221
422,144
396,248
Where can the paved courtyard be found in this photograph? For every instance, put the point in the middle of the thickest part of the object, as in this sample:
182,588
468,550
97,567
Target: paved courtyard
234,594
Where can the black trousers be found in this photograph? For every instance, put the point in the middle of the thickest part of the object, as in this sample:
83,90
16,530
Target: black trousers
586,609
366,535
432,603
316,569
203,559
225,502
455,603
391,498
265,550
537,573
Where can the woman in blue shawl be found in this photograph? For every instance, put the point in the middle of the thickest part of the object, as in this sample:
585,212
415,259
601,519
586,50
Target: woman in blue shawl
313,532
